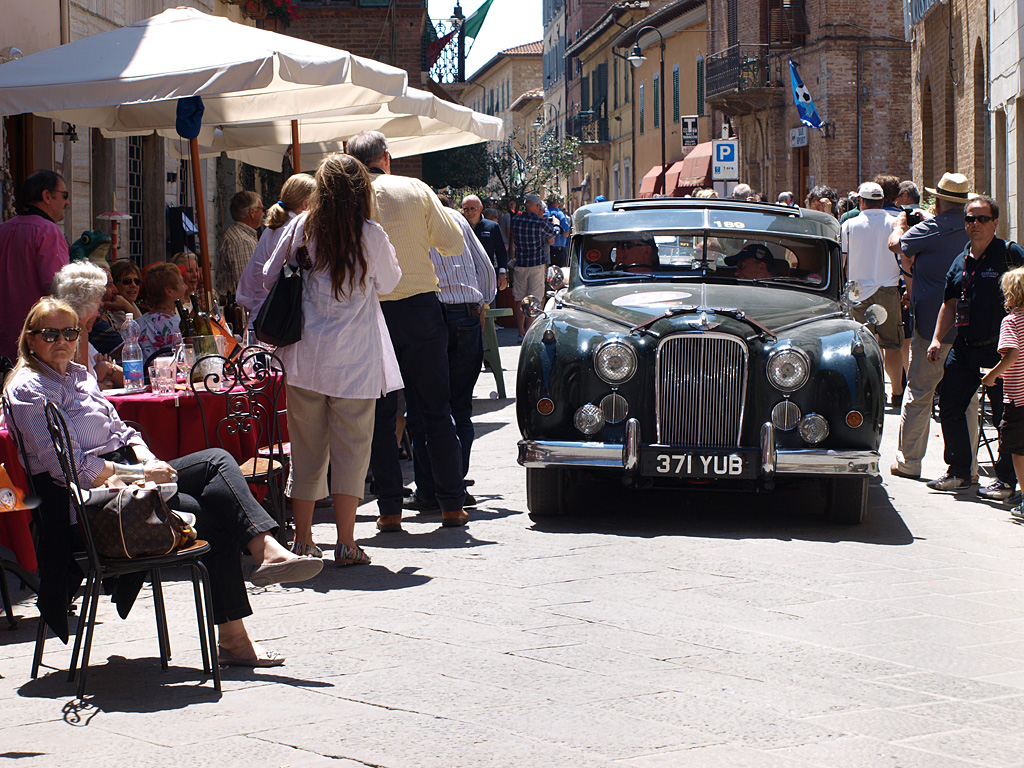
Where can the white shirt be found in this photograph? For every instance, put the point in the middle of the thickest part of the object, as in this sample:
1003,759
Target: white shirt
251,294
865,241
345,349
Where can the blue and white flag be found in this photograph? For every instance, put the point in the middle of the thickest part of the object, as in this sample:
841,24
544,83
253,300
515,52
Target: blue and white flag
804,103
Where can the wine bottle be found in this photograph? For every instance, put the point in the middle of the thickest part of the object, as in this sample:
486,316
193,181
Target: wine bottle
203,328
184,321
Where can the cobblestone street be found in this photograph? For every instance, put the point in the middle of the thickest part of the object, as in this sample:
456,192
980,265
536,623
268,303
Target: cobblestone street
655,630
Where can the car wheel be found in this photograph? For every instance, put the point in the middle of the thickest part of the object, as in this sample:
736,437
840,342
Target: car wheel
846,499
546,492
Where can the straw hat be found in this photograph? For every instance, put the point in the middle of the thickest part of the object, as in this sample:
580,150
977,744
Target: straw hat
952,187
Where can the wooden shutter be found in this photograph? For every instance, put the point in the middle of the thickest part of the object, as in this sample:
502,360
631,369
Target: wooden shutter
675,93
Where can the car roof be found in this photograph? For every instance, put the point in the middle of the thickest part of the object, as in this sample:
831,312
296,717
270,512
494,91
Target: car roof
703,213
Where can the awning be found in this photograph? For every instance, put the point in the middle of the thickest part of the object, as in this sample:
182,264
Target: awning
650,185
691,172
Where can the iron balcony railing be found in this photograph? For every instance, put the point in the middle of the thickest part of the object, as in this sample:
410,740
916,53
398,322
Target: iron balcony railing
591,126
742,68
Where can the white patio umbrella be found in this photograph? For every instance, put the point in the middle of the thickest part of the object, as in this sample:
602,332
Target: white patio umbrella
129,79
414,123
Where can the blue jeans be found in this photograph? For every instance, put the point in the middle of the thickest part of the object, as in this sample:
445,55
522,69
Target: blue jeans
465,359
420,338
960,380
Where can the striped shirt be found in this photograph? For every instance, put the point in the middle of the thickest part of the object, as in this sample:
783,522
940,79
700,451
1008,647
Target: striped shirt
1011,336
93,424
236,248
469,277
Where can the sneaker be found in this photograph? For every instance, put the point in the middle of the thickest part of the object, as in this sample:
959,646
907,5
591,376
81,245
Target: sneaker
996,491
1016,499
1017,513
948,482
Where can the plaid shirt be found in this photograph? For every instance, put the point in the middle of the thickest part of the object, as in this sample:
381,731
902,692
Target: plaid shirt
530,234
236,248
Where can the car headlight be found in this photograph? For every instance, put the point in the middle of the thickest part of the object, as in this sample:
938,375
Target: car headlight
589,419
615,362
813,428
788,369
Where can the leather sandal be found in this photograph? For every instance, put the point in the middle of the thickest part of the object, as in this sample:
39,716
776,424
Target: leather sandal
346,555
389,523
267,659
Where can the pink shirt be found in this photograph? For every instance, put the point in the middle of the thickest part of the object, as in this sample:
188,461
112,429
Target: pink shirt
1011,336
32,251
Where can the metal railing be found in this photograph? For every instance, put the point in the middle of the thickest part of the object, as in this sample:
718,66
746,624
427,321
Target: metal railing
742,68
591,126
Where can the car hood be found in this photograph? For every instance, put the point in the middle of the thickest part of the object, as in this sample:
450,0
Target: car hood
633,304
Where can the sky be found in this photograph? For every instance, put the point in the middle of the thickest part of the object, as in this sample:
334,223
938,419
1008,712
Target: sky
509,23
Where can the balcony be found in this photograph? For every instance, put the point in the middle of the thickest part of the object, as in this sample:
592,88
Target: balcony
744,79
591,128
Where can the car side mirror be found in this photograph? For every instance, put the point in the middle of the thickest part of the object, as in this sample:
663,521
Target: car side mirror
854,290
875,315
531,307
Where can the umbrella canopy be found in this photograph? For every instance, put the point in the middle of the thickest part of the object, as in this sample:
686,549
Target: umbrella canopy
129,79
415,123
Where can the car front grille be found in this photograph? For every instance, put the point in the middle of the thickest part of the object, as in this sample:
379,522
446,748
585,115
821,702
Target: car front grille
702,383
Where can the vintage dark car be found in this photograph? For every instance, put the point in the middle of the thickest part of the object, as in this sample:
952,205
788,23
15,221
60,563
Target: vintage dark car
700,344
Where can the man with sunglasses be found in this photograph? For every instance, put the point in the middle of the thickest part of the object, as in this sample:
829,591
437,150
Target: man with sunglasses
32,250
973,304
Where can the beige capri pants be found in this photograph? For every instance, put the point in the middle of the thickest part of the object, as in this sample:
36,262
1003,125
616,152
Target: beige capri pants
326,429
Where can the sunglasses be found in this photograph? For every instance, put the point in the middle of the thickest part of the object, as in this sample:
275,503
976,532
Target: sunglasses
968,219
50,335
634,244
130,281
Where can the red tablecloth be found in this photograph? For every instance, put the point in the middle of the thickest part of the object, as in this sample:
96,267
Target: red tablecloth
14,530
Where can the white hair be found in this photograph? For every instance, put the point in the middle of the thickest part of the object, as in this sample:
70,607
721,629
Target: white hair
82,285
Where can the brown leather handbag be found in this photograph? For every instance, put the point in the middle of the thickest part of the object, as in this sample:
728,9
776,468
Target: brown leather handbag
138,523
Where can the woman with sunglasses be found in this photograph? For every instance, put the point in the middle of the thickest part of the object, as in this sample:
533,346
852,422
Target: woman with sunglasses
127,282
107,452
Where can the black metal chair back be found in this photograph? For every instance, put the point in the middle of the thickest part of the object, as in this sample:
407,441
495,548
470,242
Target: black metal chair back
100,568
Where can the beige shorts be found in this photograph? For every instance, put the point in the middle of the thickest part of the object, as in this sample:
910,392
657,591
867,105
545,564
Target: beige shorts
322,430
889,333
529,281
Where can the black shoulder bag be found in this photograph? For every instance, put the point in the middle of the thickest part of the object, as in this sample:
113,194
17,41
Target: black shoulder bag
279,321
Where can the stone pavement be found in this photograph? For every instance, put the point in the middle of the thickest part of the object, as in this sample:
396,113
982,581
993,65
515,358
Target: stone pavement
656,630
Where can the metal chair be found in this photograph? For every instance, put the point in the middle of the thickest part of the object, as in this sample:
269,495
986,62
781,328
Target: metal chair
250,387
99,568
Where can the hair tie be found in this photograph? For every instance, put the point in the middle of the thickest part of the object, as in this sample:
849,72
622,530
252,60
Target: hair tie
281,203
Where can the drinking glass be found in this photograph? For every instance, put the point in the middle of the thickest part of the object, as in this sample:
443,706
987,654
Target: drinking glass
164,382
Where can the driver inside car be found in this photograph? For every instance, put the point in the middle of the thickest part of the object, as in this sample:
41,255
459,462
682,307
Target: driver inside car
754,262
639,255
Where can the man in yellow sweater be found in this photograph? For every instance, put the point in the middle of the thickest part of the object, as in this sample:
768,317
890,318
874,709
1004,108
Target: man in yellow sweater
415,221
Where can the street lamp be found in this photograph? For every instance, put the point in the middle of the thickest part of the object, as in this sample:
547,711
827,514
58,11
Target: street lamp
636,58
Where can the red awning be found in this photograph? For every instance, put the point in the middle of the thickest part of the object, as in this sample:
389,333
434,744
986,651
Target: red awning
691,172
650,185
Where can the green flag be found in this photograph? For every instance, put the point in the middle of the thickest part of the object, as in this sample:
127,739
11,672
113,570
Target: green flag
474,22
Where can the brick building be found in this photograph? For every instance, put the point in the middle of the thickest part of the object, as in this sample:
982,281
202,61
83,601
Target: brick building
855,63
1006,44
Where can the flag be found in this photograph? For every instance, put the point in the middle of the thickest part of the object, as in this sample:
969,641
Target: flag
435,47
476,20
804,103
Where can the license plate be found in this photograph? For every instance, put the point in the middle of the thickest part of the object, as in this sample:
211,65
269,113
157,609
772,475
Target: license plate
703,464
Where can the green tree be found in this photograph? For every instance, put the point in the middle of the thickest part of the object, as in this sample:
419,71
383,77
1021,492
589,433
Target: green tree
515,174
462,168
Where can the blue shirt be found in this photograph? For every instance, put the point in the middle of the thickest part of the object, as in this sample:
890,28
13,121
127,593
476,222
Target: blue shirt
561,239
933,243
530,235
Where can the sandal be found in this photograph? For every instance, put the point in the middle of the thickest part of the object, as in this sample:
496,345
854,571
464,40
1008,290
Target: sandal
346,555
306,550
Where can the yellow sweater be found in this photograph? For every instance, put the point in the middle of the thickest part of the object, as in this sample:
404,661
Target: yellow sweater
415,220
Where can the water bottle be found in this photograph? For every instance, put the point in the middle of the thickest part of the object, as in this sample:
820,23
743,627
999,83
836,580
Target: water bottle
131,356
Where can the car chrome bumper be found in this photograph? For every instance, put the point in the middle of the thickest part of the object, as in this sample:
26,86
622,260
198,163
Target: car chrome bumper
625,456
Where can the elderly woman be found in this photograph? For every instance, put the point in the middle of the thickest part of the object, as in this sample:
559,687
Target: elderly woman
83,285
127,284
106,451
190,271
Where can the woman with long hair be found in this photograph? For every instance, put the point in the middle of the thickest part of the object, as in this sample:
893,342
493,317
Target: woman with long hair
344,360
294,200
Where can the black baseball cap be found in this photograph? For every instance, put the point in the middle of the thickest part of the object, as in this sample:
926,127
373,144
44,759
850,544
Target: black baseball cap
752,251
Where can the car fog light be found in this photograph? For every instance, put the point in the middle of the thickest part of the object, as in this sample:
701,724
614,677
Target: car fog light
615,362
854,419
813,428
545,406
788,369
614,407
785,415
589,419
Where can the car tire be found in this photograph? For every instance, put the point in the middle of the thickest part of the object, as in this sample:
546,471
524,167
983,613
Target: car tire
846,500
546,492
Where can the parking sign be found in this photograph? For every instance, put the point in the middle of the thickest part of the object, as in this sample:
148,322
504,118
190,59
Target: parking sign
725,160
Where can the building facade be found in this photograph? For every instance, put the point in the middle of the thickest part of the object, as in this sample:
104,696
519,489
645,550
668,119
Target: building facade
497,85
554,66
853,59
1006,104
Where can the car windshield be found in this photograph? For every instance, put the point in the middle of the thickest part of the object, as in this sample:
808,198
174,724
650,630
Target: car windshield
703,255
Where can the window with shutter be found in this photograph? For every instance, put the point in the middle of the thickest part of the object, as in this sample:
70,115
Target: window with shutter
640,98
656,101
700,86
675,93
787,25
732,22
584,93
615,81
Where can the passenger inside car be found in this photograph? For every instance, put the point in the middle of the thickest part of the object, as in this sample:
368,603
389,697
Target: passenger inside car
640,255
753,262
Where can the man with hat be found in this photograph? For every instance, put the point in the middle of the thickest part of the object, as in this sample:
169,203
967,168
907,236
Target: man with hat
752,262
532,236
865,244
927,250
973,303
637,255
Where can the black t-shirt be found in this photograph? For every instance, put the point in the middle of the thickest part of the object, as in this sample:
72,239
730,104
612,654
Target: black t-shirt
978,282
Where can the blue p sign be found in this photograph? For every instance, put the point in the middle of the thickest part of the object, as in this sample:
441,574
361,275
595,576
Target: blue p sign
726,153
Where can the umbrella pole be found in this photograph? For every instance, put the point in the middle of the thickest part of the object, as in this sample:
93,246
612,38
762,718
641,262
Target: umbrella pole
296,163
197,186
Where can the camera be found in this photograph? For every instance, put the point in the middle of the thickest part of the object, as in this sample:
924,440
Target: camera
913,215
